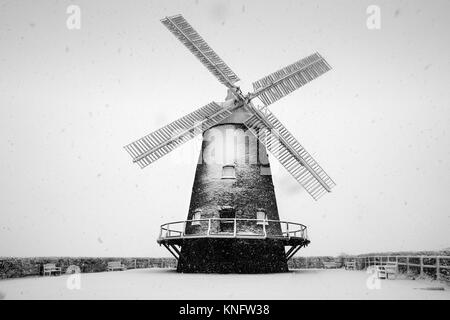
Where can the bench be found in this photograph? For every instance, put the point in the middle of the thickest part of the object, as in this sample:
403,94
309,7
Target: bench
330,265
350,265
390,268
51,268
115,265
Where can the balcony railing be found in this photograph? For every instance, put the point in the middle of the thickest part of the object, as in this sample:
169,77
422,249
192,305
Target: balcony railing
232,228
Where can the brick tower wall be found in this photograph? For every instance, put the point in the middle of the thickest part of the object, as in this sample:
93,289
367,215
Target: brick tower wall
251,191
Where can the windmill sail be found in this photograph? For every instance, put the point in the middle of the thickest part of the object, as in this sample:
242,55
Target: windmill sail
284,81
195,43
157,144
289,152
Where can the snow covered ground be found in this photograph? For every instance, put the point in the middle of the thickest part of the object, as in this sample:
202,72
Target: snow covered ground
168,284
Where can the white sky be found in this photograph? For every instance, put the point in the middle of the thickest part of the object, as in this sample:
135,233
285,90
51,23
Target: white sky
70,100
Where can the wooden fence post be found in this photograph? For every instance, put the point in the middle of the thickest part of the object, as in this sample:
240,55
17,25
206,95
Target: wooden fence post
438,272
421,265
407,264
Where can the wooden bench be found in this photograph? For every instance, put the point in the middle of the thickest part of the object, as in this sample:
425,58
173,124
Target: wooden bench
329,264
380,272
350,265
51,268
389,269
115,265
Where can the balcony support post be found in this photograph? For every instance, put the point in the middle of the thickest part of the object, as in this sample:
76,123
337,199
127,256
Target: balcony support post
264,229
168,248
293,252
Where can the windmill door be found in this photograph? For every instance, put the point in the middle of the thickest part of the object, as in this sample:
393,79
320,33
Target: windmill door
227,216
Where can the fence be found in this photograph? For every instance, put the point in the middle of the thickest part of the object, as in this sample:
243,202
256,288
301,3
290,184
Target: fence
434,266
232,228
23,267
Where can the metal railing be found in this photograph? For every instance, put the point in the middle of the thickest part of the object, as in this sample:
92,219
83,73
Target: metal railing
232,228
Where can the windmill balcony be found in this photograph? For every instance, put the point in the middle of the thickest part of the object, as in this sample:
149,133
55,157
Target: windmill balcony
176,232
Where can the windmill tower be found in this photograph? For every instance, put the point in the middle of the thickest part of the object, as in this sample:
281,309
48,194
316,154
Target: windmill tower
233,223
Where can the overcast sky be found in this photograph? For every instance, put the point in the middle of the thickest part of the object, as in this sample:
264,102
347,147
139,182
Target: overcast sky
378,123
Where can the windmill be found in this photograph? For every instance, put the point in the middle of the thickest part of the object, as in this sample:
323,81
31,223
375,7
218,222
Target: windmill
233,223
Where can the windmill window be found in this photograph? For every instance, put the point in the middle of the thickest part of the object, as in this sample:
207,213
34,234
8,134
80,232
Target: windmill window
196,217
228,172
261,215
264,170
